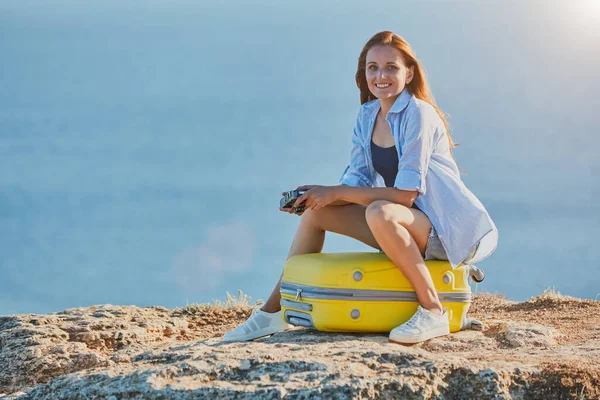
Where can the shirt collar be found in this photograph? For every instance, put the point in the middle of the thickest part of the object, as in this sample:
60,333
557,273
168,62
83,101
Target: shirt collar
401,101
399,104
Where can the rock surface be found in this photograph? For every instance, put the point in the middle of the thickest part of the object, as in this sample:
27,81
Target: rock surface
545,348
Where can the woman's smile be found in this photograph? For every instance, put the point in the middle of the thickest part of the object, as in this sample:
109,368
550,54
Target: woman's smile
386,73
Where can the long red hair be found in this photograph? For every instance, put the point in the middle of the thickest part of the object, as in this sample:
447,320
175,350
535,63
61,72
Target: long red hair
418,86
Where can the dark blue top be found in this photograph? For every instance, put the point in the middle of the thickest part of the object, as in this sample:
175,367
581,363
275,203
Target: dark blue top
385,161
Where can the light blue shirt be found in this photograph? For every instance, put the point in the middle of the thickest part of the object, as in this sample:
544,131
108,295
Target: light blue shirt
426,165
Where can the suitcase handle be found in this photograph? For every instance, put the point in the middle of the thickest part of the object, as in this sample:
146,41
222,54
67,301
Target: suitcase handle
298,318
475,273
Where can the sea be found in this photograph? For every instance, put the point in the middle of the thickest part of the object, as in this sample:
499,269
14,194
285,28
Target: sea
144,145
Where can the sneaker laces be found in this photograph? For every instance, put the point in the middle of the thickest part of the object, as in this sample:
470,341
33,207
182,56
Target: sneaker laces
412,322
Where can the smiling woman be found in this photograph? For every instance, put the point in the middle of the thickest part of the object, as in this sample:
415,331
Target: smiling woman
380,64
401,192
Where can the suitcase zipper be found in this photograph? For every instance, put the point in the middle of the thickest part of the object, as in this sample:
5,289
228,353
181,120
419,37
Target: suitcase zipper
294,304
309,292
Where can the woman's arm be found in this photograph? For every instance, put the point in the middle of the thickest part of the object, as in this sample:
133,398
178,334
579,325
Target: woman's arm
340,202
365,196
357,172
322,196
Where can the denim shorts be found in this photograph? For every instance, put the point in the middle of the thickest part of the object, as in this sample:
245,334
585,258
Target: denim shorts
435,250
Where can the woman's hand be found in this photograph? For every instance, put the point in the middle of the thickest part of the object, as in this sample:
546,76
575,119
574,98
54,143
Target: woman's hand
292,210
317,196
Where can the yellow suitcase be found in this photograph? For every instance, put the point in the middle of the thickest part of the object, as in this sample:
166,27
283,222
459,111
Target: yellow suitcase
366,292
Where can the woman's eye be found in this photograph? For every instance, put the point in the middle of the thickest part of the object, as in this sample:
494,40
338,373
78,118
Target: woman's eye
393,67
372,67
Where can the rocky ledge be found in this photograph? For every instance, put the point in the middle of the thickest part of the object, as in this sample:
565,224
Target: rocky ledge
545,348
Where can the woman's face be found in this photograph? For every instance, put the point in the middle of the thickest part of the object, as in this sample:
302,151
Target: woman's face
386,73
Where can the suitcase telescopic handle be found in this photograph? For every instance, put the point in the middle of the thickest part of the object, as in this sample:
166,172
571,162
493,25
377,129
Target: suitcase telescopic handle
475,273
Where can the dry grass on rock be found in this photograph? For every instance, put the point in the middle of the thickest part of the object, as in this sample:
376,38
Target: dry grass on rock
546,347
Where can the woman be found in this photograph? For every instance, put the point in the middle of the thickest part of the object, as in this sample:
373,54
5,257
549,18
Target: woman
401,192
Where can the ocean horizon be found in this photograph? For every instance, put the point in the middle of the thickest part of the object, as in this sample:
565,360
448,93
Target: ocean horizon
144,146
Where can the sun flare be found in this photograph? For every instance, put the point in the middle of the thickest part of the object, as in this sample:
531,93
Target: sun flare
587,12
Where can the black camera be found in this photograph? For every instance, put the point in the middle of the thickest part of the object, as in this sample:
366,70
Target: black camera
289,198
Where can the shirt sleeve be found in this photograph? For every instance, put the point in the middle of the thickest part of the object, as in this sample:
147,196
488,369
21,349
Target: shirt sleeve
357,172
421,126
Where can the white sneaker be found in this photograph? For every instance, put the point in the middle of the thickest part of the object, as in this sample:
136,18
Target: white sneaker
422,326
259,324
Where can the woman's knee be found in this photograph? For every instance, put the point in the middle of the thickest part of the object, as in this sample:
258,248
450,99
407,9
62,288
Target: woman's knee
314,217
383,211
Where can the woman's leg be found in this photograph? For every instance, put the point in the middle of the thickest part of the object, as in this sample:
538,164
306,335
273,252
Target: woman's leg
348,220
403,233
400,231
